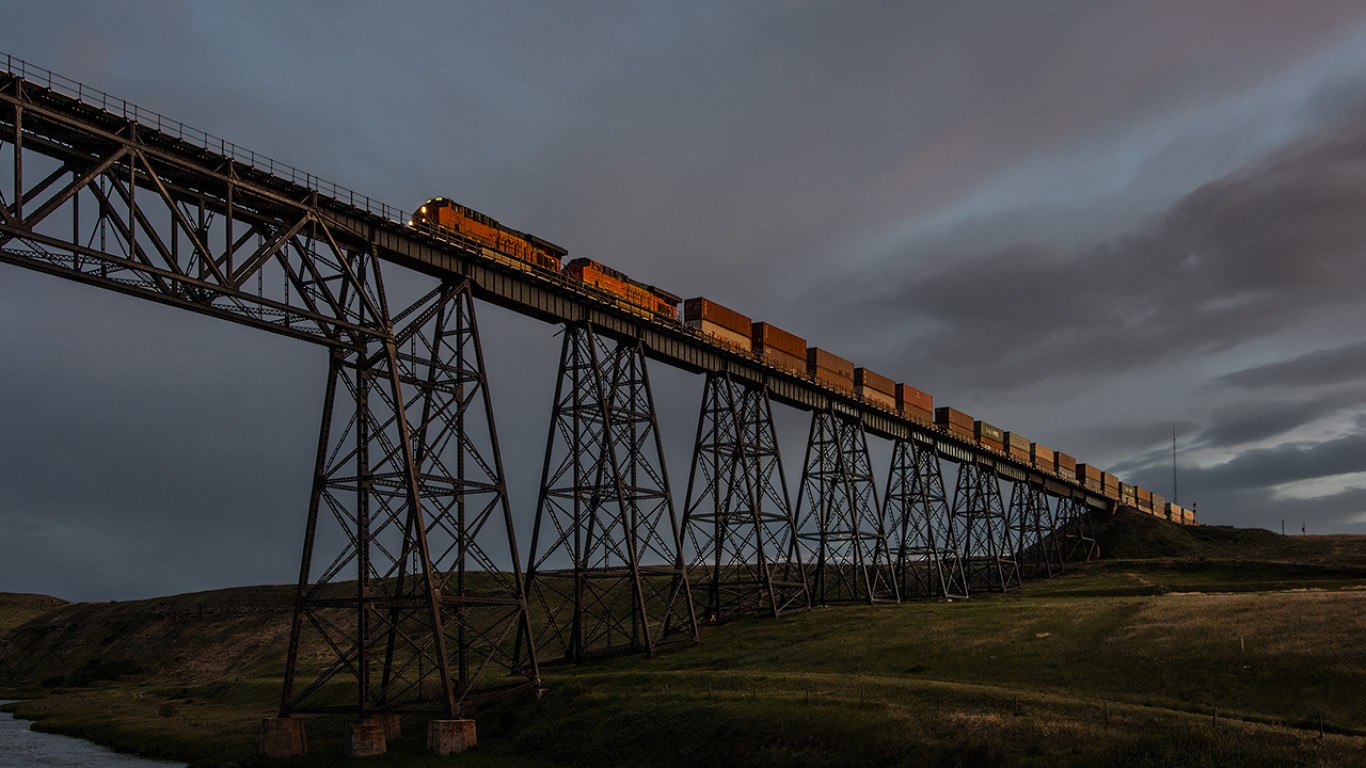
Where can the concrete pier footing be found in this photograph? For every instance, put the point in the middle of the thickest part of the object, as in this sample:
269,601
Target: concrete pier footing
446,737
283,737
366,739
393,726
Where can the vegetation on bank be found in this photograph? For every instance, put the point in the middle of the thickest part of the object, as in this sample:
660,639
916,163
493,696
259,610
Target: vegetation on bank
1200,647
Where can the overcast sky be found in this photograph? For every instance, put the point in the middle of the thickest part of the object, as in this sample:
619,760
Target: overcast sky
1087,222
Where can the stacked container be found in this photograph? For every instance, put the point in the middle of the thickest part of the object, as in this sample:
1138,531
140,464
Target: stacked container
954,421
1017,445
831,370
1159,505
778,347
875,388
1145,499
1089,477
914,404
730,327
1042,457
1065,466
989,435
1109,486
1127,496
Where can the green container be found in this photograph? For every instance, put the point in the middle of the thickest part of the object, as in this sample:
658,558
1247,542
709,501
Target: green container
986,431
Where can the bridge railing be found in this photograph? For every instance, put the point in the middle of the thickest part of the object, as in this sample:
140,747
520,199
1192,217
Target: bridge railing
146,117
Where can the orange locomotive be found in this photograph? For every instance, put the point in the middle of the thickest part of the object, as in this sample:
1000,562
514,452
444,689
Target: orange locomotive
633,293
500,243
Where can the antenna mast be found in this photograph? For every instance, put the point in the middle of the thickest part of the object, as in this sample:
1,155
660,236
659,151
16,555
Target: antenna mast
1175,496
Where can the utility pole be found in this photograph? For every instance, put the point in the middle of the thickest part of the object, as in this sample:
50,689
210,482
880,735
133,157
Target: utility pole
1175,496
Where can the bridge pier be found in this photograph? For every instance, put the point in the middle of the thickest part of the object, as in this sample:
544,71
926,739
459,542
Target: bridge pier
738,517
1077,530
843,531
924,542
1039,551
606,566
988,538
423,602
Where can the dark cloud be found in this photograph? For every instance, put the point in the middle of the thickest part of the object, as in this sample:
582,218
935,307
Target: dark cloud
1311,369
837,170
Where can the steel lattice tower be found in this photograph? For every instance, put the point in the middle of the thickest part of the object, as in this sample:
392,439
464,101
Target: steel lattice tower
1077,530
988,538
843,532
924,541
738,519
606,572
423,602
1039,551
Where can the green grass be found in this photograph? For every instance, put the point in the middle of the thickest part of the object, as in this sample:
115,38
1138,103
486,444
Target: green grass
1234,655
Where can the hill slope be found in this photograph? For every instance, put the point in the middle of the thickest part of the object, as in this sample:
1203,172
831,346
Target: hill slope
1154,660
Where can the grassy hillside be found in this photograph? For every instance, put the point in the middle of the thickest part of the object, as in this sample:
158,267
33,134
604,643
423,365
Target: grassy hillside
1241,653
15,609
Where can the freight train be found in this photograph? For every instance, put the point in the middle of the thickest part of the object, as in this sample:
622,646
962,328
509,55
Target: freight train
772,346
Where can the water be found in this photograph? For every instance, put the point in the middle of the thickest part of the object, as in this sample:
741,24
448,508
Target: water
22,748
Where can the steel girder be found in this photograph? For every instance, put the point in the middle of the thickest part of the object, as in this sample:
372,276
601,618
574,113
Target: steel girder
1078,533
738,518
988,535
843,532
422,604
97,198
1037,535
925,543
605,574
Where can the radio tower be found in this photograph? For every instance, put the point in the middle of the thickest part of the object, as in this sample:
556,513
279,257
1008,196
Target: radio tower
1175,496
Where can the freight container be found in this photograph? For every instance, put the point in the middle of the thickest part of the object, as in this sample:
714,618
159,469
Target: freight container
831,370
1065,465
729,327
954,421
1173,512
722,335
1127,495
914,404
1109,486
1089,477
989,435
768,337
875,381
1042,457
700,308
876,397
1017,446
1159,505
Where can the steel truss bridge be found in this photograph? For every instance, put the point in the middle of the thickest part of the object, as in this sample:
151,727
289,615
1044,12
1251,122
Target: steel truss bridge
429,604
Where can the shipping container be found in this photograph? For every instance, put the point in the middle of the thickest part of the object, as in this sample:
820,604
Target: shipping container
875,381
1159,504
954,420
767,338
725,336
1065,465
1089,477
875,396
1127,495
908,397
697,309
1041,457
989,435
1017,440
780,359
817,358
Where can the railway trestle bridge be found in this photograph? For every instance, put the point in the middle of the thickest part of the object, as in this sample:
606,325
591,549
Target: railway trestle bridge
429,605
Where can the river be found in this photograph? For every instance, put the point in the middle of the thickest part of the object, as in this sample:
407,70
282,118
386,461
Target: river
23,748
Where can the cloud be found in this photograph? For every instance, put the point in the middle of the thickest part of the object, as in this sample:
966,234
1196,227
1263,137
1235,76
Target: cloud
1312,369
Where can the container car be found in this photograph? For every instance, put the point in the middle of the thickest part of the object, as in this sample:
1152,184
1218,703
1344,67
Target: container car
725,325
